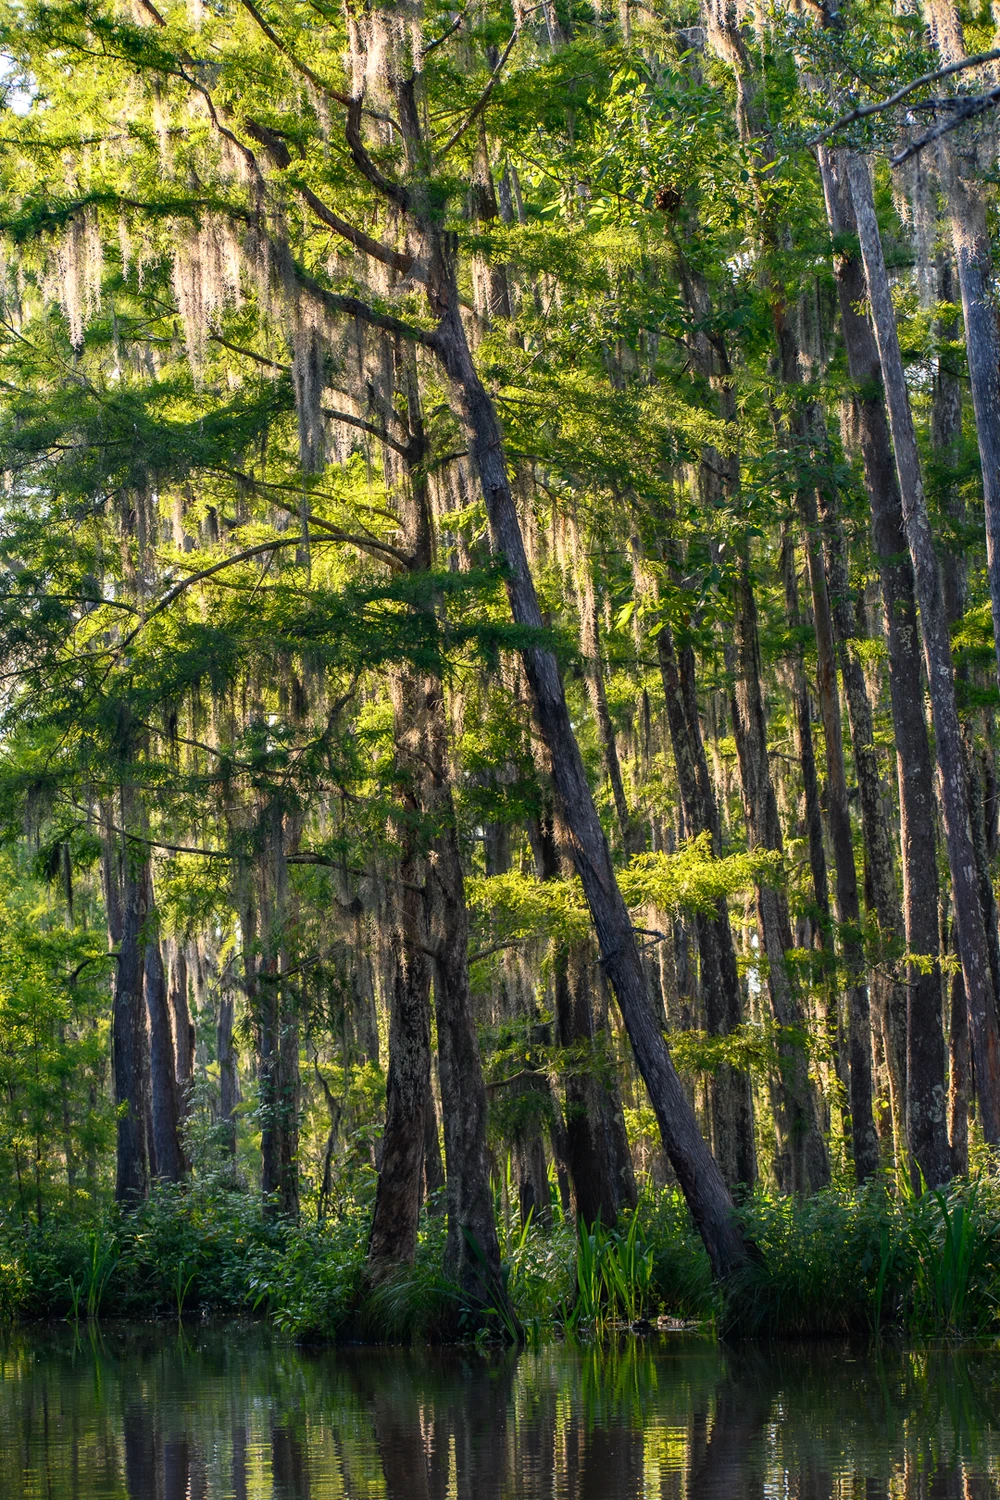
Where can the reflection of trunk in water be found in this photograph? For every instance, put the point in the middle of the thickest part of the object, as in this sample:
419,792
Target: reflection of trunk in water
141,1451
611,1463
289,1464
726,1466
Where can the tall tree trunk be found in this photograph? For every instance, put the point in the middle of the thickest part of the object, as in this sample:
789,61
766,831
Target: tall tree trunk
804,751
731,1100
863,1138
393,1238
697,1172
168,1152
183,1027
802,1165
433,1165
925,1060
590,649
229,1091
600,1165
965,194
972,942
277,1028
130,1049
472,1252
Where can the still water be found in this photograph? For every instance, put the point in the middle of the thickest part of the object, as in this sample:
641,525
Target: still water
231,1412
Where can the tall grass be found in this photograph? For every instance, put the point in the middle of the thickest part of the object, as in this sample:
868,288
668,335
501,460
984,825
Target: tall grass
875,1260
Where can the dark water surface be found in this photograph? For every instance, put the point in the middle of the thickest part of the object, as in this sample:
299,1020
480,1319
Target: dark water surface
235,1412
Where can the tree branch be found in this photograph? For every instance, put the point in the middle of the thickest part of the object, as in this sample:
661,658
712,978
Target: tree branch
483,99
964,109
863,111
296,62
395,259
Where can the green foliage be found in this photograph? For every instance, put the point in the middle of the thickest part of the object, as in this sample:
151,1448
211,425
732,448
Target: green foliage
840,1262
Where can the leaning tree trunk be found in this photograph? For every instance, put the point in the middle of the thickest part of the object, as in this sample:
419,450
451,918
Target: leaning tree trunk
697,1171
965,194
926,1124
972,943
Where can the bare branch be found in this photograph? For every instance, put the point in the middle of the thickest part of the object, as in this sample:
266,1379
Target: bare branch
483,99
863,111
369,427
296,62
357,237
961,110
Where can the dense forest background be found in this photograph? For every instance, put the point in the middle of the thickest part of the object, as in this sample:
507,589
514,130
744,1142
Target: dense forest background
500,530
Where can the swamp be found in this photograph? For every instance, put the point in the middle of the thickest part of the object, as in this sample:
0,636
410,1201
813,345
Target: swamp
499,748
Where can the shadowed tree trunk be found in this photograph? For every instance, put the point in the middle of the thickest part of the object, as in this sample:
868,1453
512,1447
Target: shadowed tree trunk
183,1027
972,941
472,1253
598,1157
229,1092
398,1197
961,167
802,1164
804,750
130,1048
167,1152
729,1089
925,1064
277,1026
864,1141
433,1165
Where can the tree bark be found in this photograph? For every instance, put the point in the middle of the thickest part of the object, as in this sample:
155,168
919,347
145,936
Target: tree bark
168,1152
183,1027
393,1238
590,649
804,751
973,947
925,1059
598,1158
472,1251
130,1049
433,1165
277,1028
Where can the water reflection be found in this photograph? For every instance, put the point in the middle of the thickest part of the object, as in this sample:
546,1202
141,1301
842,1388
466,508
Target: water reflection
236,1414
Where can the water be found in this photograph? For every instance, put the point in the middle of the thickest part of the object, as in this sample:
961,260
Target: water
235,1413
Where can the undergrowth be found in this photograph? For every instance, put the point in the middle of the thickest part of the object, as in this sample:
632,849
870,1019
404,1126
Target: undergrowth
871,1260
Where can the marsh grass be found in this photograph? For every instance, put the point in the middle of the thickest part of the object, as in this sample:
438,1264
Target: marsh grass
876,1260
